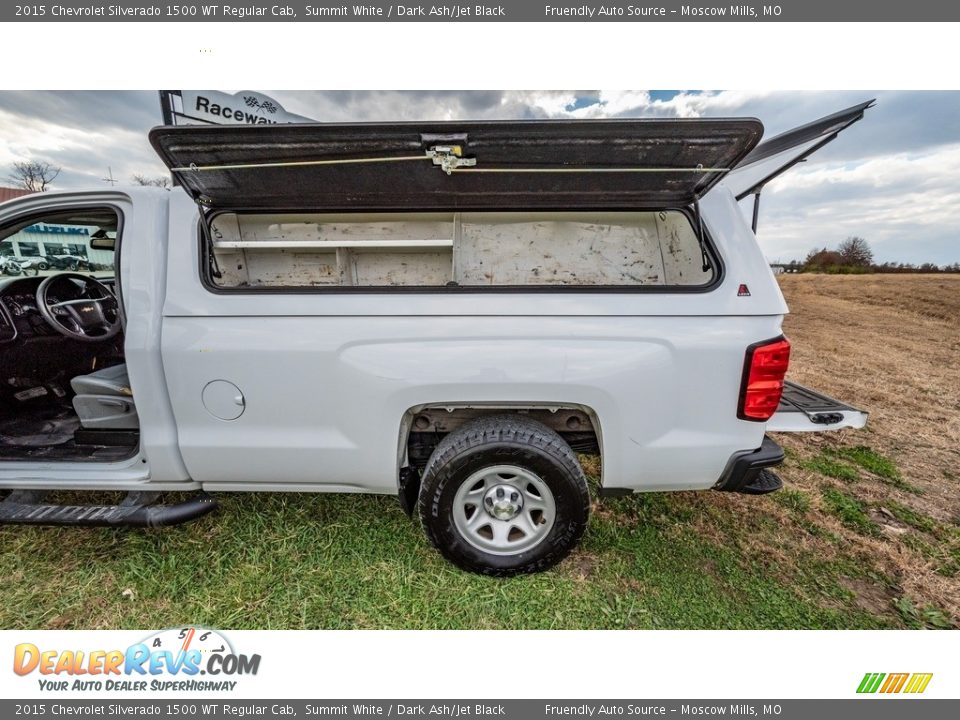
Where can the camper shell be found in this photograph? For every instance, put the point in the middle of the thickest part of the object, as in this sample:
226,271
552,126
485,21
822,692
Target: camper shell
445,312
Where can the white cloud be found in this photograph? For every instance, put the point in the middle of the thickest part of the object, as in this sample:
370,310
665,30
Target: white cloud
21,141
613,103
929,170
905,205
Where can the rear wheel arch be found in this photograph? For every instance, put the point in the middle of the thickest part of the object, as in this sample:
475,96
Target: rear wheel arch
422,427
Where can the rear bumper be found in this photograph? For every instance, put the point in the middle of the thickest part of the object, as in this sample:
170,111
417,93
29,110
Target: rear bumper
744,467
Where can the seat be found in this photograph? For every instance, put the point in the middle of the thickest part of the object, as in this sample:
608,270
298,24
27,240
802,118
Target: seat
111,380
104,401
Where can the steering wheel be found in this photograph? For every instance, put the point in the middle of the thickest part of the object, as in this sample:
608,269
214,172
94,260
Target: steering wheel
79,306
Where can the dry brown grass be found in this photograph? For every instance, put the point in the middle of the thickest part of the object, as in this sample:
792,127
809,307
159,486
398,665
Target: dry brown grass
888,344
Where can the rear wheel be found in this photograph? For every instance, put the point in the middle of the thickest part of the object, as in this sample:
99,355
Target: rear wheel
504,495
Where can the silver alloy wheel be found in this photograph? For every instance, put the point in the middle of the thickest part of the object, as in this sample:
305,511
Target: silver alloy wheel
504,510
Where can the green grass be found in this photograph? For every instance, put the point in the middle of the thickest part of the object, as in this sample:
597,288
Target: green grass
918,618
880,465
870,460
911,517
943,555
850,512
937,542
795,501
845,463
327,561
831,467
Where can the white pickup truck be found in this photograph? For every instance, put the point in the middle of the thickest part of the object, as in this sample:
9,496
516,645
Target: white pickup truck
445,312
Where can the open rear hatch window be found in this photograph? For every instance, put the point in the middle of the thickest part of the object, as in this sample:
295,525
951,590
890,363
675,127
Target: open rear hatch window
557,164
775,156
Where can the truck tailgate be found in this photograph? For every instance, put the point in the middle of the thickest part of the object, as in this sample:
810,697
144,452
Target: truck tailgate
805,410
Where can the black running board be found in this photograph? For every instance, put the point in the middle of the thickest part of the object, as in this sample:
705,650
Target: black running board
26,507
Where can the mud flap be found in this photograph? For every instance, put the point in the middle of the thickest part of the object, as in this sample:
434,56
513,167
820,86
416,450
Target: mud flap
409,489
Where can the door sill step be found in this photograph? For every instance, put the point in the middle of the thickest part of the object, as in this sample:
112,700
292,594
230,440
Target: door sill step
26,507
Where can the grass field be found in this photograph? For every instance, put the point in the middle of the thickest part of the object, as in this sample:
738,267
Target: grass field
866,535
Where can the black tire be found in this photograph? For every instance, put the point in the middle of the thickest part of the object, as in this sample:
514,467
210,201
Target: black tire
504,440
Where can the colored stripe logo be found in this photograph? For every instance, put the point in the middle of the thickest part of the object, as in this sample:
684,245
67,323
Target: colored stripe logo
913,683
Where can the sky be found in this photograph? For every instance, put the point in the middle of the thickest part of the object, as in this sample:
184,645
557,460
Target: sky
893,178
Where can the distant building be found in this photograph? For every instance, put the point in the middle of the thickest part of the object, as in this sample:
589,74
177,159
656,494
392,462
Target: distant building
11,193
780,268
50,239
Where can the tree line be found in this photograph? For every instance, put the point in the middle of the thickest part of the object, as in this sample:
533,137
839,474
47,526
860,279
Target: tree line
853,256
38,175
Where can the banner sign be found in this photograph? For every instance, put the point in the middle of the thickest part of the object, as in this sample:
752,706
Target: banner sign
211,107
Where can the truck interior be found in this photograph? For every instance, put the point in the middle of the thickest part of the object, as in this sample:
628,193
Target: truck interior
64,390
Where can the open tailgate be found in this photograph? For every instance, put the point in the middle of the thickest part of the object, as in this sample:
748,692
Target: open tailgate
805,410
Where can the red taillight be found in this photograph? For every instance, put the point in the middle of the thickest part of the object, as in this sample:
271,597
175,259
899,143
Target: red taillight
763,374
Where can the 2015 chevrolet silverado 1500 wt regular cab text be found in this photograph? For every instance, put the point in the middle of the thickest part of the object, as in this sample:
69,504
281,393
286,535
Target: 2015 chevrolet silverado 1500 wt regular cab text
446,312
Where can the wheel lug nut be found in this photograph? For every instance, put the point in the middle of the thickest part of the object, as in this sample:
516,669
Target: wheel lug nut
499,492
